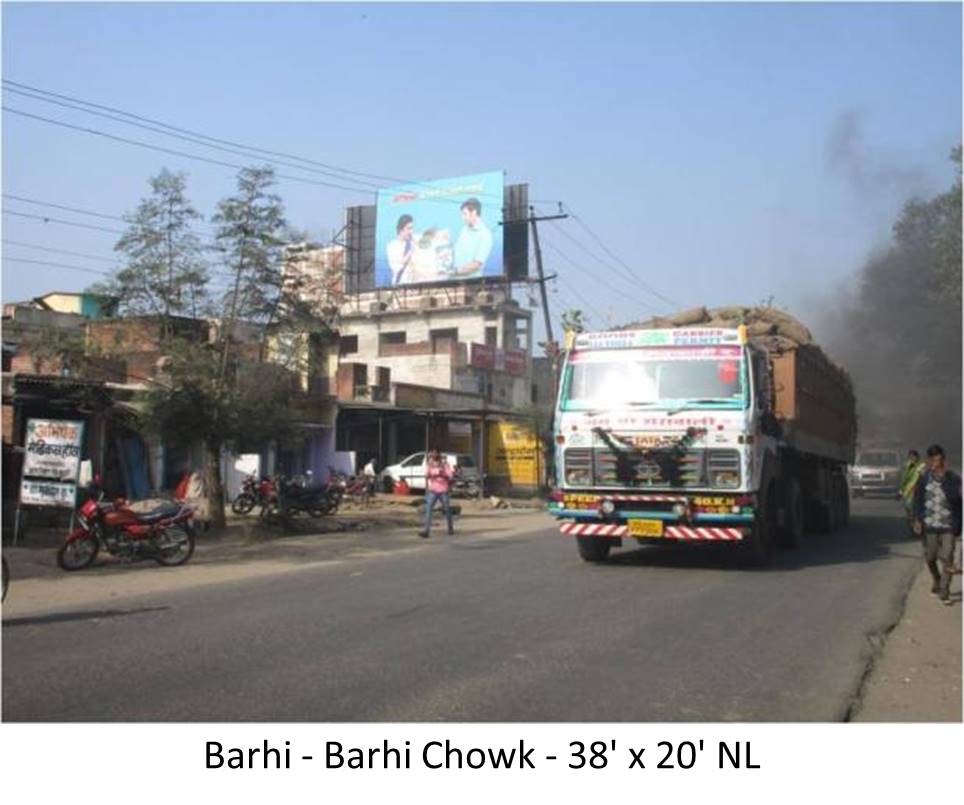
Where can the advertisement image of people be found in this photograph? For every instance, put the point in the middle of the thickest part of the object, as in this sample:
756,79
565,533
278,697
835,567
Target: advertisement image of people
439,231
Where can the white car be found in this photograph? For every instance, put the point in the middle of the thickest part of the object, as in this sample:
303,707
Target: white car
412,470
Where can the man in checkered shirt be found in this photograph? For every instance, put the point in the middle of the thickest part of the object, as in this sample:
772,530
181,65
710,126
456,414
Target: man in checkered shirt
937,518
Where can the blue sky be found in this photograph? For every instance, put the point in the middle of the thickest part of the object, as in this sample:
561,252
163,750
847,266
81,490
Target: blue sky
725,153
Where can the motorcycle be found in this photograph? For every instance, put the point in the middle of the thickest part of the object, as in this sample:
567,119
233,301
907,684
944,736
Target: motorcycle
466,487
296,496
165,534
359,489
253,493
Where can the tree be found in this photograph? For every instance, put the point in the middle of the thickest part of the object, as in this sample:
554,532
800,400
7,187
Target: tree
165,273
224,391
901,334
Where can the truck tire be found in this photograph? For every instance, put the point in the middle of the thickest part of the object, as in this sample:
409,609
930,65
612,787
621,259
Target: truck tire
791,534
759,545
594,549
843,502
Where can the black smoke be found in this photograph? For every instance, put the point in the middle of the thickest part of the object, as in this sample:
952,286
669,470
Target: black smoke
899,330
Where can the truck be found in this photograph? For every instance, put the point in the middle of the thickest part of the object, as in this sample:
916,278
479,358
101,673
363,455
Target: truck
726,426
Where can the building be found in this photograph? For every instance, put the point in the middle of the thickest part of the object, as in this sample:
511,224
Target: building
447,366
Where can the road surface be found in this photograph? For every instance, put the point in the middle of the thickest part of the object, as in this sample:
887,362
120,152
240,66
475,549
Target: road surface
505,623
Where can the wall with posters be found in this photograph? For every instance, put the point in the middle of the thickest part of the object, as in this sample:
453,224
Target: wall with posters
440,231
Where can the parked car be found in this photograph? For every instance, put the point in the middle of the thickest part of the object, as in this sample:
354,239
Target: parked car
876,471
412,470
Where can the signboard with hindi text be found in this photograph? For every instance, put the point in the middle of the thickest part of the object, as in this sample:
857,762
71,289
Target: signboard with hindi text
51,462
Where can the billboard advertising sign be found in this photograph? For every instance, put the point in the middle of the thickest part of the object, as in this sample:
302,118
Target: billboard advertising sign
439,231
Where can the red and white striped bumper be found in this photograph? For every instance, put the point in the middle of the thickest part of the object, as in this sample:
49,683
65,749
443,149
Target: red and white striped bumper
678,532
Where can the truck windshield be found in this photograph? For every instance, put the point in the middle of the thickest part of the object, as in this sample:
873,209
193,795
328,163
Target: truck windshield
660,378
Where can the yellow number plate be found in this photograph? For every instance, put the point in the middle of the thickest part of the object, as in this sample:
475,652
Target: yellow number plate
645,528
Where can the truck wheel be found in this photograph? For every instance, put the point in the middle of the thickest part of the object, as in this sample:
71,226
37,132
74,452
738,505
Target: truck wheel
792,532
842,500
759,545
594,549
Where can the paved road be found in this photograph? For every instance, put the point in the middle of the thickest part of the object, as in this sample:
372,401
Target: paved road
497,626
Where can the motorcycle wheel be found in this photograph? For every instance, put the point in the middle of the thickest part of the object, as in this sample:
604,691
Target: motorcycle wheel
175,546
78,554
243,503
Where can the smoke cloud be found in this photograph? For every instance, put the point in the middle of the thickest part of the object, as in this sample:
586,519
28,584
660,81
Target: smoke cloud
847,155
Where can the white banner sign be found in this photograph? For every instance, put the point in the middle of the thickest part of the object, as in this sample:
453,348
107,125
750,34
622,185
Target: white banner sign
47,493
52,449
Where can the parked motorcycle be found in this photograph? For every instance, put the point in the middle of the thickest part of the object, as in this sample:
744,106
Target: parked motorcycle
295,497
359,489
466,487
165,534
253,493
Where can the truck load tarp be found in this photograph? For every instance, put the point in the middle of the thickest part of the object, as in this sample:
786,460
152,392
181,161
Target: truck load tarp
812,396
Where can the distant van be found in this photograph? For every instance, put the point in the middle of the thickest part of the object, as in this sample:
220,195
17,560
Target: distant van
412,469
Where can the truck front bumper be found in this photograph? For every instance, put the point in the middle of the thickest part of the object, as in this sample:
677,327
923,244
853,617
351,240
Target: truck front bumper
673,532
714,526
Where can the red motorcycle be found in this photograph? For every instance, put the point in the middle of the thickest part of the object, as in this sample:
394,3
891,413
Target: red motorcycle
164,534
253,493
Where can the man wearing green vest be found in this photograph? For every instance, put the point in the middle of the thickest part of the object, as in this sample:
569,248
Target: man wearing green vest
912,471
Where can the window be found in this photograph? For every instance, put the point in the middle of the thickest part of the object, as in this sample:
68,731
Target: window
392,338
413,461
348,345
491,336
443,340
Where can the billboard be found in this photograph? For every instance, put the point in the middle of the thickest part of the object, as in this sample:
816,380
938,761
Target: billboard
440,231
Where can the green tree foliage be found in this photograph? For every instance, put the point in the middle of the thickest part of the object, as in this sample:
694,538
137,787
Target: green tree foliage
901,336
231,387
165,273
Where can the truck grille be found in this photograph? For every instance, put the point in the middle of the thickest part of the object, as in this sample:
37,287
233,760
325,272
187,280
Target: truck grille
588,467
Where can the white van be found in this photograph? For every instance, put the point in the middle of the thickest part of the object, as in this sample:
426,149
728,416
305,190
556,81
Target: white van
412,469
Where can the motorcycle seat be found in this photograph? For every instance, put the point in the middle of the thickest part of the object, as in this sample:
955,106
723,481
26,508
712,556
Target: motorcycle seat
163,512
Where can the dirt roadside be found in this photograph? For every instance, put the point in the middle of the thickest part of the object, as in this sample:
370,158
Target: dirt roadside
245,550
917,675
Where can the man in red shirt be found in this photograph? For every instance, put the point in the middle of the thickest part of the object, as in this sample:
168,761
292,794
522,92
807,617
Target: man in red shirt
438,481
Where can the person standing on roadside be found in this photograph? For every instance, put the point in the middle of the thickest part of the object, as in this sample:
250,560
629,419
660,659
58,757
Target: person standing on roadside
908,482
438,482
937,518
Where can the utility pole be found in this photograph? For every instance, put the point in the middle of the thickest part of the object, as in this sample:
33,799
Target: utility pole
533,220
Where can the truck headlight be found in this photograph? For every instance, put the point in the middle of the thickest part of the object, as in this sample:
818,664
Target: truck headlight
577,477
725,479
607,507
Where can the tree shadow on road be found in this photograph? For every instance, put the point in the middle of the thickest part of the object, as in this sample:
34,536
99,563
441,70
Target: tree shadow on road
86,615
868,538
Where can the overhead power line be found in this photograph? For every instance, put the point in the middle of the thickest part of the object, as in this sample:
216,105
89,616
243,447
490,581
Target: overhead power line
58,251
50,220
56,265
172,151
229,146
63,207
632,274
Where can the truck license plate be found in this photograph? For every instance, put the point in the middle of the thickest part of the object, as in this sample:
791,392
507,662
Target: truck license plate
645,528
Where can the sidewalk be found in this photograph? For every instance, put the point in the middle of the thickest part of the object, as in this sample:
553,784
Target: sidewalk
917,677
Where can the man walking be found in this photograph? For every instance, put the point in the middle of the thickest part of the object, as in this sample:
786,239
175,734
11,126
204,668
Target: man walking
937,518
438,481
908,483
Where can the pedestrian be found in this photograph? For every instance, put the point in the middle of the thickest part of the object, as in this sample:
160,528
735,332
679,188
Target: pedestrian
913,468
937,518
438,481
